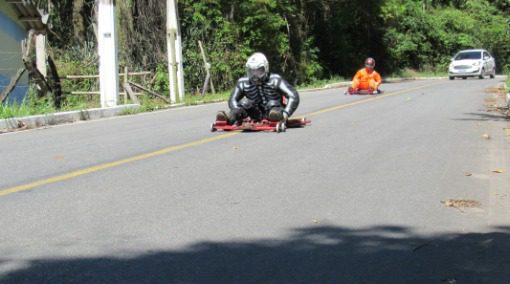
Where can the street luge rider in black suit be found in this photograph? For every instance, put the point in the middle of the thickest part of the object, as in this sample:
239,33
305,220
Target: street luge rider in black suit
260,95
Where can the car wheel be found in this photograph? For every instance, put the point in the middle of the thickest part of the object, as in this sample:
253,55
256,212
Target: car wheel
464,78
493,75
451,78
482,74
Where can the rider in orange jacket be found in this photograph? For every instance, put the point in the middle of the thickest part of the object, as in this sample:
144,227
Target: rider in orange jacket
367,78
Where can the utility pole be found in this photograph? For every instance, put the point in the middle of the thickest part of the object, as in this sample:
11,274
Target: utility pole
107,50
174,45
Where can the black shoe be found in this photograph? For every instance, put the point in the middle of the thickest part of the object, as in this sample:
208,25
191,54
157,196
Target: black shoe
275,115
221,116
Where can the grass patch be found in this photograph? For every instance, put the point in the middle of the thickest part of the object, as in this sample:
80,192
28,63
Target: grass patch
147,104
207,98
31,106
321,83
410,73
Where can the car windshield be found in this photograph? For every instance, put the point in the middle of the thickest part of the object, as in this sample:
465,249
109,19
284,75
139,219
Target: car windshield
469,55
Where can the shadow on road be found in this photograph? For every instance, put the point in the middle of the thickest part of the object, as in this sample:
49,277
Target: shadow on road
485,116
321,254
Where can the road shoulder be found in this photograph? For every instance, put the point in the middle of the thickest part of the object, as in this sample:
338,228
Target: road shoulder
499,128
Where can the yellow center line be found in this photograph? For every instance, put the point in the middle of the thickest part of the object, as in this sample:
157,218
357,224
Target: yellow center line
105,166
71,175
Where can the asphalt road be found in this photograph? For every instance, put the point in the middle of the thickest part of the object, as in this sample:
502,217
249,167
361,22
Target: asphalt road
360,196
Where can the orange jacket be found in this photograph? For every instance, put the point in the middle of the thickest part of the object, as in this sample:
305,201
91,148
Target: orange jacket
364,80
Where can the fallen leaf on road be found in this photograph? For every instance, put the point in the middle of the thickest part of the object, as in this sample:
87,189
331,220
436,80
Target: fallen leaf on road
468,174
235,148
315,221
486,136
461,203
21,124
498,171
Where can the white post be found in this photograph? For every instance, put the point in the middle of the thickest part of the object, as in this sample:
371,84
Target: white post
40,53
171,32
175,72
107,50
180,70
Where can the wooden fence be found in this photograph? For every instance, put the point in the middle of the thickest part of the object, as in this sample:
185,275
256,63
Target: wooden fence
127,85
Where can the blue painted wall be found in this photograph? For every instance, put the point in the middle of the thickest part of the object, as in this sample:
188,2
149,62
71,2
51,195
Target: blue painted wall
11,34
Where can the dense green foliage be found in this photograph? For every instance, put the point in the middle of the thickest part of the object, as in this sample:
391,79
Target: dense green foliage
306,40
425,37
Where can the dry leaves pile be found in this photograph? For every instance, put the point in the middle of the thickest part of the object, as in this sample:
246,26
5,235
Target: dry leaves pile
497,103
20,126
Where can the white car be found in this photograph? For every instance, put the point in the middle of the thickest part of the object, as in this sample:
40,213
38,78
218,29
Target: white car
472,63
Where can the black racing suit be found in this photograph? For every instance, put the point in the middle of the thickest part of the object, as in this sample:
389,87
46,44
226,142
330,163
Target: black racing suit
257,100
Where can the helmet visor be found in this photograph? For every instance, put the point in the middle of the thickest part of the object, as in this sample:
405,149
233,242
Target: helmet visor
257,74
